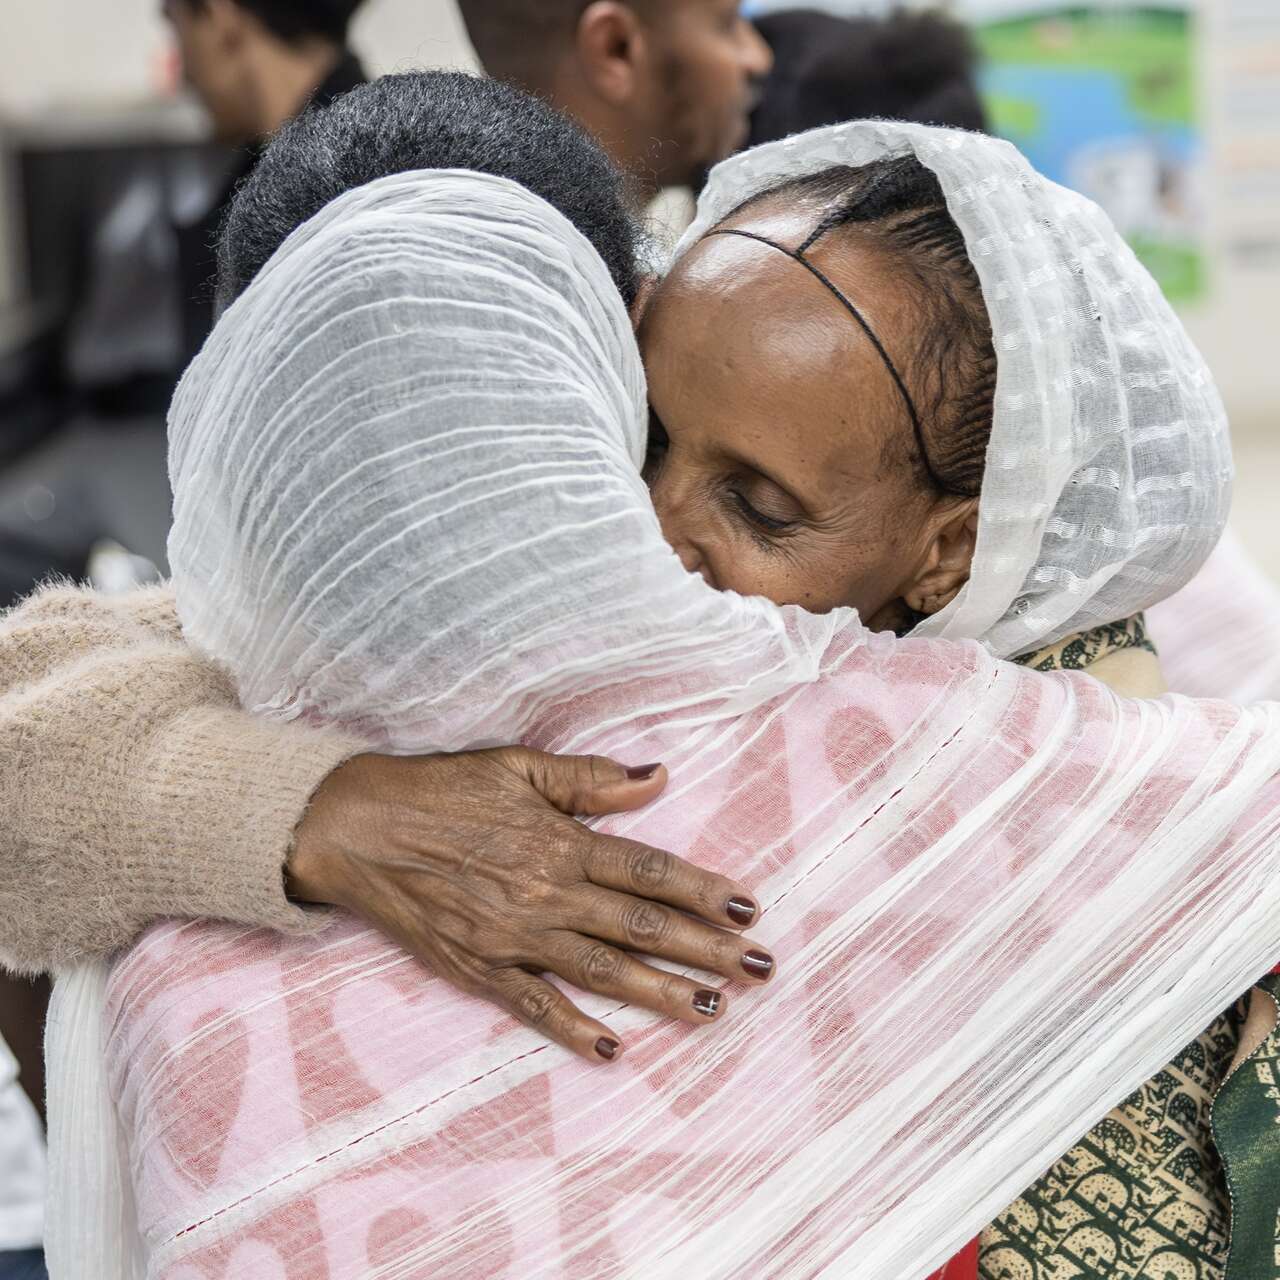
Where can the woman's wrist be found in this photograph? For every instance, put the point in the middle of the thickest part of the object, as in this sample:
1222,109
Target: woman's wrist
339,818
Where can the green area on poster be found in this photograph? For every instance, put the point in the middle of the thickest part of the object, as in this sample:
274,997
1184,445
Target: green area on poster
1103,99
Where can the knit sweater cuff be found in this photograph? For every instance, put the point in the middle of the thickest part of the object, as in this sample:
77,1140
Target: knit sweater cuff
224,795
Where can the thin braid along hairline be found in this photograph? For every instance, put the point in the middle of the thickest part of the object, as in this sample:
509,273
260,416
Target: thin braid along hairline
912,223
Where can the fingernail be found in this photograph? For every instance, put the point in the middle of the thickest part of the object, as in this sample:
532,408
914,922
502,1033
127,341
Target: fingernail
643,772
606,1048
706,1003
757,964
741,910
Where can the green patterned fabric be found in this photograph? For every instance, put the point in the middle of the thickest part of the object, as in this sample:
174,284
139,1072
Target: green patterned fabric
1246,1126
1143,1195
1182,1180
1077,653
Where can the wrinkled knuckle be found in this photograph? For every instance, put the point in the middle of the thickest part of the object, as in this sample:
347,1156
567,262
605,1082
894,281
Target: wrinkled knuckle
722,954
595,771
463,934
709,896
674,992
469,980
601,966
649,869
646,925
569,840
535,1005
498,947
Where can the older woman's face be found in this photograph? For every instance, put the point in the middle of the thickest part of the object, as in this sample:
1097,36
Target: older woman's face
782,458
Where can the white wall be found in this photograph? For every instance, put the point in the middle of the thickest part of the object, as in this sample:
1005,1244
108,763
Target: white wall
60,52
65,50
396,35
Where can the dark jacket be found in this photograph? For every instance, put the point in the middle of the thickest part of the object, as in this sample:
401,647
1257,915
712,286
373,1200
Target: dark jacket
197,242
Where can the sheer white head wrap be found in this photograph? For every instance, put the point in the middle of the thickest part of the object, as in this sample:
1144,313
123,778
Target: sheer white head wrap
1107,482
407,499
1108,477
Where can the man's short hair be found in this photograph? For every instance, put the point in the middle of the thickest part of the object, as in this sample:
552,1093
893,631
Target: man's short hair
426,120
298,20
511,36
520,39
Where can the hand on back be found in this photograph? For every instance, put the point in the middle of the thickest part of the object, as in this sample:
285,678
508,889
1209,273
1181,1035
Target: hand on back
474,864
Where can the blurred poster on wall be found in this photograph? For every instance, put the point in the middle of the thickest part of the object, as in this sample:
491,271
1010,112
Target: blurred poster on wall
1102,98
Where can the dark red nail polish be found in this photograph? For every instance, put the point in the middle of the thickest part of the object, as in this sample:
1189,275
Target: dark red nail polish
757,964
643,772
606,1048
741,910
707,1003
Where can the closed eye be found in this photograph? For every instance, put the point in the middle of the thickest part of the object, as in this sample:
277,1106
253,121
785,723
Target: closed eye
770,524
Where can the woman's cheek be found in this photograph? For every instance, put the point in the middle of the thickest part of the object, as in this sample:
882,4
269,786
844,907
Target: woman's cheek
750,571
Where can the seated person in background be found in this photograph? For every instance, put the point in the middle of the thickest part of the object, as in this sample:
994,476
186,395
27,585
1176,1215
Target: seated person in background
907,66
253,65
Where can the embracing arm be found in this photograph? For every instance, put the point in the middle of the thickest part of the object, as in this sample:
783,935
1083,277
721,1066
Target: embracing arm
133,787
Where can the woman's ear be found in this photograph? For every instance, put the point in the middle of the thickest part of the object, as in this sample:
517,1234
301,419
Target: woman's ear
952,533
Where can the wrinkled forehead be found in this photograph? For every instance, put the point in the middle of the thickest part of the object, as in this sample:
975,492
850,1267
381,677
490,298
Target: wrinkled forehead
754,330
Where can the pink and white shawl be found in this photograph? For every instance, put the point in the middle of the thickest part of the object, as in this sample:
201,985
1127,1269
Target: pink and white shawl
1219,637
408,499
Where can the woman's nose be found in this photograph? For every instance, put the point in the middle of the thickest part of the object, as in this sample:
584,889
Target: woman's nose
692,559
674,512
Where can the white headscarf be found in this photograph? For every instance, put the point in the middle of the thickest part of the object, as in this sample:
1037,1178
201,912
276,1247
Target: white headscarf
1108,477
407,499
1107,480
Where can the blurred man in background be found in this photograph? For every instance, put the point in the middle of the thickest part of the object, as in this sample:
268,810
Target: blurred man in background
254,64
667,86
907,66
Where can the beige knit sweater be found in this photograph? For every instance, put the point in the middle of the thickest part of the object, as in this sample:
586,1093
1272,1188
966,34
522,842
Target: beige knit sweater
132,787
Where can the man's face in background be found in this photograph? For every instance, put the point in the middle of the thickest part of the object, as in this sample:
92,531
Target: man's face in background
709,62
209,34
